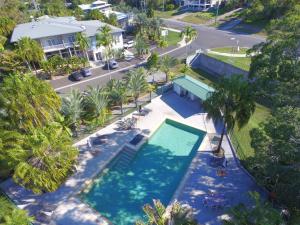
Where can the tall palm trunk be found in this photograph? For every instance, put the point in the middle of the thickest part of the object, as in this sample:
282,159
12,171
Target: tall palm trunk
221,139
150,95
121,107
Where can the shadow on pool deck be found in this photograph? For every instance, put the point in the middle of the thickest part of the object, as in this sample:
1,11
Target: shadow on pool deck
175,102
203,179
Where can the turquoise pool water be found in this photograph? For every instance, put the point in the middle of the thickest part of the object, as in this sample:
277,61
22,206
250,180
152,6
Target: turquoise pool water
154,173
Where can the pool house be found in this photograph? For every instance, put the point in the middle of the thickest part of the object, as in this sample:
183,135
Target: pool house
186,86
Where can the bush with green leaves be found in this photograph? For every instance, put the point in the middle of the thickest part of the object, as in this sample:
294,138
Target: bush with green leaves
10,215
261,214
35,147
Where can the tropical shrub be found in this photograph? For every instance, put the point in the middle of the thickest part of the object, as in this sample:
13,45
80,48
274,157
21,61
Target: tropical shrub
50,160
10,215
27,103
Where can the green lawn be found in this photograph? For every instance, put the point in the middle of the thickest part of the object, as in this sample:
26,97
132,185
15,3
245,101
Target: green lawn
229,50
253,27
198,17
241,138
165,14
240,62
173,38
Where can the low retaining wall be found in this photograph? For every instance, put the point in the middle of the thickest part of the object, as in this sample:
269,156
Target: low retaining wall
214,66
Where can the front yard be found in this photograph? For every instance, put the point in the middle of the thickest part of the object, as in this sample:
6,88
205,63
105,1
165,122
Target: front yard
173,38
198,17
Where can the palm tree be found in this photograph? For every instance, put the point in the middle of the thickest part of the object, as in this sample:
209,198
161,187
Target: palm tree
50,162
105,39
72,108
10,63
118,94
142,23
136,83
141,46
25,96
11,148
151,88
159,215
154,29
165,65
96,104
30,51
3,40
17,216
189,34
231,102
83,43
7,25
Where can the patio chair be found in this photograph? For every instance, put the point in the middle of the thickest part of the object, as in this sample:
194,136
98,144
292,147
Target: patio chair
221,172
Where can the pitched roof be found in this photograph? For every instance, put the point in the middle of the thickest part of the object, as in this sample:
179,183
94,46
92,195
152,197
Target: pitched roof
194,86
52,26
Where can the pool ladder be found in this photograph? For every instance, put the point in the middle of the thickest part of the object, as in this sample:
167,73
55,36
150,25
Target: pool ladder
124,159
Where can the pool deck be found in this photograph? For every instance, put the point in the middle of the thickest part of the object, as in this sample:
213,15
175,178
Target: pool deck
65,206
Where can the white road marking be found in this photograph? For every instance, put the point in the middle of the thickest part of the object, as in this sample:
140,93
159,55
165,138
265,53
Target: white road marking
108,74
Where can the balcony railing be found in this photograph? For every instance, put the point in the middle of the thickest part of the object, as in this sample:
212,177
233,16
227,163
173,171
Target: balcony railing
59,46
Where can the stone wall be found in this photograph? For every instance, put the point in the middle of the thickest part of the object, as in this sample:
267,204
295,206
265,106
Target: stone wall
214,66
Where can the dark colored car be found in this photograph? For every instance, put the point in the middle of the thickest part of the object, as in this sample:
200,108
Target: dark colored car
112,64
86,72
76,76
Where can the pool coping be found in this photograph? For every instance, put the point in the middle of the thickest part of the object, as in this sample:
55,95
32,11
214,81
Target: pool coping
88,183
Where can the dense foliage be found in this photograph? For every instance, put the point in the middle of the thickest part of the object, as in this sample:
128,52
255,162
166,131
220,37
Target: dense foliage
34,146
10,215
158,214
261,214
275,73
268,9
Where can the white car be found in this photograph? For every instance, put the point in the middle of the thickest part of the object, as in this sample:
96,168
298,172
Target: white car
129,44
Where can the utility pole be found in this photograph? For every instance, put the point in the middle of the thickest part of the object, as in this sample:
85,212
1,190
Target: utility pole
217,12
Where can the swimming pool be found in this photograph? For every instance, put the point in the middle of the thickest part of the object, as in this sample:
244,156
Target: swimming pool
154,173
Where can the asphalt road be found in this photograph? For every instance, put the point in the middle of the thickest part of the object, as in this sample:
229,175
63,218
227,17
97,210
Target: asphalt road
208,37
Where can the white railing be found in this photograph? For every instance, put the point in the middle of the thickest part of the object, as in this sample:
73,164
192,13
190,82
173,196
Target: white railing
60,46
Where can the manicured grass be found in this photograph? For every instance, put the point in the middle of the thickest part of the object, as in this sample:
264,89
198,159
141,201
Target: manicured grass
240,62
173,38
165,14
198,17
241,138
229,50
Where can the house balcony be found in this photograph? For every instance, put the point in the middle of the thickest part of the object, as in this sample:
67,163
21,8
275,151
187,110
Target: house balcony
51,48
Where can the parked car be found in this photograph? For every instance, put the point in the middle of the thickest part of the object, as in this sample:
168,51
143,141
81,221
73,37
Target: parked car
129,44
86,72
76,76
111,64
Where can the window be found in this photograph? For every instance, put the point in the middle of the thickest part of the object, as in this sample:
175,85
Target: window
71,38
54,41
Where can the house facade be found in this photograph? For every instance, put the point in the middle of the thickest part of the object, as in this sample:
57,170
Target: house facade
199,4
57,36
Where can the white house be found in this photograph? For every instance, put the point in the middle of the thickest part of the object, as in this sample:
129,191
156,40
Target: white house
199,4
57,35
102,6
123,19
